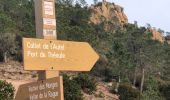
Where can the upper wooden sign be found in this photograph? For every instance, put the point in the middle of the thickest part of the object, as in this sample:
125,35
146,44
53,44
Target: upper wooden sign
45,19
48,8
50,89
40,54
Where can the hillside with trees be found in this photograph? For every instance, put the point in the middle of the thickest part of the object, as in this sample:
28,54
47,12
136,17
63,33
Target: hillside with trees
131,59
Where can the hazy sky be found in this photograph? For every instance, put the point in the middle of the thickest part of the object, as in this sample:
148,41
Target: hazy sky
154,12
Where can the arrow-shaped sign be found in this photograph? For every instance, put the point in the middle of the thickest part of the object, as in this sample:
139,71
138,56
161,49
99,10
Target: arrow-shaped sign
40,54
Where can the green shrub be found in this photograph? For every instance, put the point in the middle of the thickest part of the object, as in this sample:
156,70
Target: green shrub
72,90
108,74
1,57
165,90
152,90
87,84
126,92
6,91
18,56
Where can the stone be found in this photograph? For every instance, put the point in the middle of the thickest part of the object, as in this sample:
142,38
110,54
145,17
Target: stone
157,35
110,12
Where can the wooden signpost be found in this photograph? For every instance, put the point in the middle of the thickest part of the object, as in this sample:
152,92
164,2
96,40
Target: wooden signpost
49,56
45,18
58,55
49,89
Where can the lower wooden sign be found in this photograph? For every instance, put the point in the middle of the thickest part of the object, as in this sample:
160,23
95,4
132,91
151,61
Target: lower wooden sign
50,89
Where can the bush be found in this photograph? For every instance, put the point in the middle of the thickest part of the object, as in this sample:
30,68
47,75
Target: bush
165,90
152,90
126,92
109,74
6,91
8,45
72,91
87,84
18,56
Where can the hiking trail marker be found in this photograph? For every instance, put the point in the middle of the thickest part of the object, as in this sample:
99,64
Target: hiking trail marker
58,55
49,56
49,89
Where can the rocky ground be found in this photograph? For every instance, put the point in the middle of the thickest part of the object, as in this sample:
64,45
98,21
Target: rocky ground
13,72
102,93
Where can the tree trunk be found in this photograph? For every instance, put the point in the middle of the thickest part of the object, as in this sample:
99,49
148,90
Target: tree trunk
5,57
142,80
117,84
135,76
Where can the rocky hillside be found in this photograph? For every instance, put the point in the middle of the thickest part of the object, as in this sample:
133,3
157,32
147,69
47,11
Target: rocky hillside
157,35
113,17
111,14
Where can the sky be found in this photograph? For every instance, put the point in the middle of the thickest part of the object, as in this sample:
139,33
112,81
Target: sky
154,12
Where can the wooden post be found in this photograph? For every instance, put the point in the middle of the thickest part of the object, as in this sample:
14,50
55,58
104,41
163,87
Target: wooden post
45,28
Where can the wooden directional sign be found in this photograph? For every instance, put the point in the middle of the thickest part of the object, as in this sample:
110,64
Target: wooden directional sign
50,89
40,54
45,19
